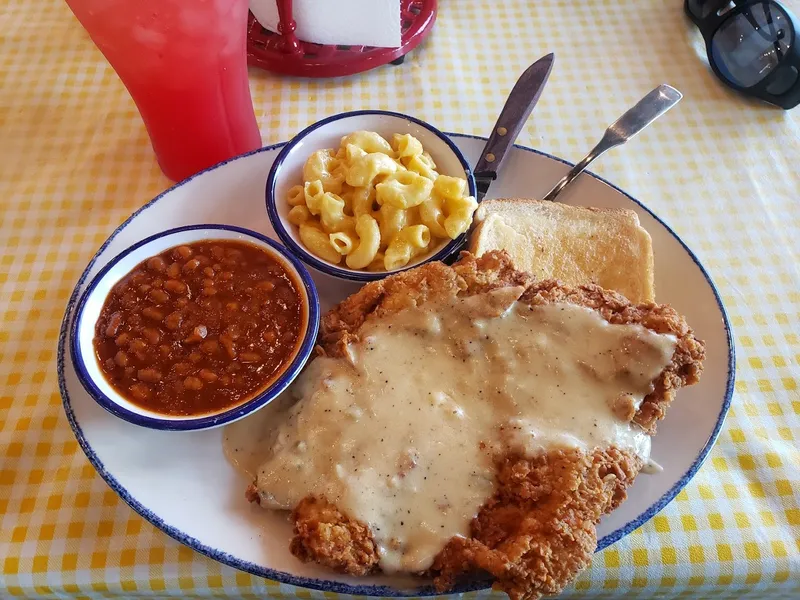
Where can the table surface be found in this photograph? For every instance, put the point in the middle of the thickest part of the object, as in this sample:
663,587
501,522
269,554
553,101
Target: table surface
75,161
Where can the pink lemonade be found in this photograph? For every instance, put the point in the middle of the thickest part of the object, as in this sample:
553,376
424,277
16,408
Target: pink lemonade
184,64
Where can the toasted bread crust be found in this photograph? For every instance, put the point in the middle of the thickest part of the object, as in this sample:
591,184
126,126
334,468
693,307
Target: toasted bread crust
578,244
487,206
539,529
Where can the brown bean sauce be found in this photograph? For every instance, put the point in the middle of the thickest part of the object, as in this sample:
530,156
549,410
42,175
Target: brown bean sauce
199,328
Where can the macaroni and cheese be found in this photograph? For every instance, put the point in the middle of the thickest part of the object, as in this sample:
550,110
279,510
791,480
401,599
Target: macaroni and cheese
377,205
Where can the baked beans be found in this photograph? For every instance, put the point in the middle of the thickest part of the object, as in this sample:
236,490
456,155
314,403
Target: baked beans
200,328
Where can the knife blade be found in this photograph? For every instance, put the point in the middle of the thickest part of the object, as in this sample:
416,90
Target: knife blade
523,97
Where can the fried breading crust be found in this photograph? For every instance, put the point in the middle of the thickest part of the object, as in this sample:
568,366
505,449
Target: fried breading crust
325,535
471,275
539,529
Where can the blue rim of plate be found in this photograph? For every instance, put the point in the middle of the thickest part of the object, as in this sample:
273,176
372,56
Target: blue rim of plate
373,590
447,250
227,416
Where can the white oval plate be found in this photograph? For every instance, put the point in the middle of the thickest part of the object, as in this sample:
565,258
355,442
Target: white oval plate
181,482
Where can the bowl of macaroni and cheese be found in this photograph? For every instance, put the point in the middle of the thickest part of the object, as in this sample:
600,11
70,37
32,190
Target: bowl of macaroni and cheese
363,194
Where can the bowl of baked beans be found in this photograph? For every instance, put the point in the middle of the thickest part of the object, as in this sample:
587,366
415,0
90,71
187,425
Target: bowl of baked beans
194,327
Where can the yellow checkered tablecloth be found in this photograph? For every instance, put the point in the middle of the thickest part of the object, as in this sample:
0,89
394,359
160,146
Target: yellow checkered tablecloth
75,161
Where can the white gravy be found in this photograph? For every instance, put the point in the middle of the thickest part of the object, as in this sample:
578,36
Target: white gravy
402,433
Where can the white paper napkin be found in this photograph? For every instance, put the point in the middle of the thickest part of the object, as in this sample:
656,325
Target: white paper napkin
346,22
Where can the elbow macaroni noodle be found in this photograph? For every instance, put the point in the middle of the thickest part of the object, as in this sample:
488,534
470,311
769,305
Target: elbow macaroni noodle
375,204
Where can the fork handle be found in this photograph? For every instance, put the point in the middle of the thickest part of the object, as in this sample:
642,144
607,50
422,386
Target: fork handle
644,112
603,145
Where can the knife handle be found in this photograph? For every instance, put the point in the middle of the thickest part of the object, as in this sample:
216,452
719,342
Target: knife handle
515,113
502,137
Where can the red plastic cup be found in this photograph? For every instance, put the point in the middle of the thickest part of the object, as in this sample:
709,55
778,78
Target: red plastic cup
184,63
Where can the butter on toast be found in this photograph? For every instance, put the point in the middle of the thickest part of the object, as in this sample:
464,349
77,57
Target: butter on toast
574,244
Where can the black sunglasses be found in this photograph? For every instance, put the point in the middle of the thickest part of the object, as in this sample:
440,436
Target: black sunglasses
751,46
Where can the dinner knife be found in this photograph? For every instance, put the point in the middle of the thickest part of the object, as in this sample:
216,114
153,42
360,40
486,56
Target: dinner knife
515,113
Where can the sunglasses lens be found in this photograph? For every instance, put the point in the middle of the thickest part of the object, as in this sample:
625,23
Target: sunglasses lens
751,44
784,80
702,8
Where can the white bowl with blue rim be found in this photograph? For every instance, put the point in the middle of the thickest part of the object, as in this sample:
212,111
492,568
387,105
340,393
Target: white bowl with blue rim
91,304
287,171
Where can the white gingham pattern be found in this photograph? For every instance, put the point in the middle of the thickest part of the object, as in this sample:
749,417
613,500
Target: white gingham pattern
722,170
